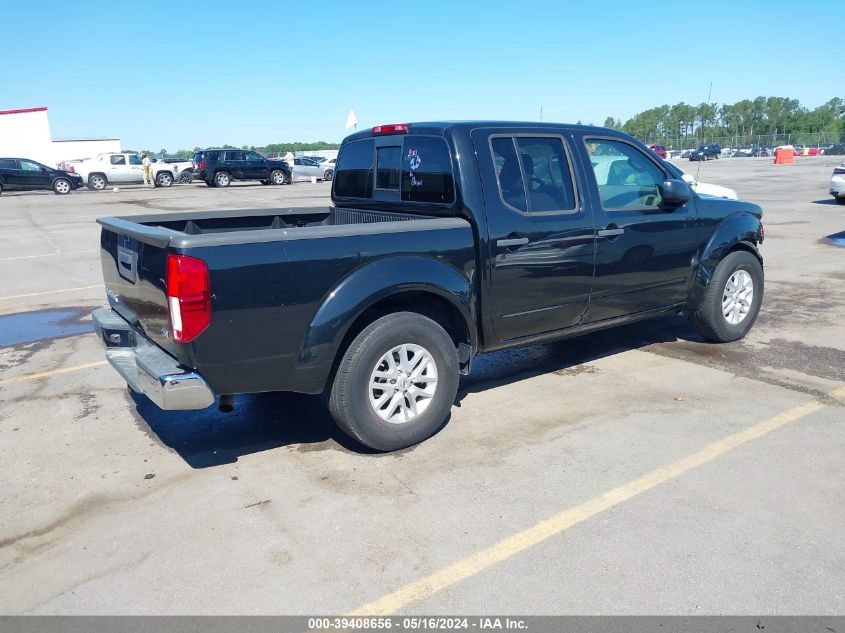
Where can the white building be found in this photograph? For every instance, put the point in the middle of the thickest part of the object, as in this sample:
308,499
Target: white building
25,133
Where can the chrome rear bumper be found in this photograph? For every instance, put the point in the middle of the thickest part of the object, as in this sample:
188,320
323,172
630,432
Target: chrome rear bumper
147,368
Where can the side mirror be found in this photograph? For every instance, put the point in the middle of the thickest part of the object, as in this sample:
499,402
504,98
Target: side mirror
676,193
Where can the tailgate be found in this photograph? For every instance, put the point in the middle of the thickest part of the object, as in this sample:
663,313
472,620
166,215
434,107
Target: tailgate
133,258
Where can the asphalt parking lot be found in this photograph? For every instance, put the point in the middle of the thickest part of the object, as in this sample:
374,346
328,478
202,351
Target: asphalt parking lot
635,471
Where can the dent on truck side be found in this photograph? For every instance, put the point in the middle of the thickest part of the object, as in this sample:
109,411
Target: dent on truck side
741,229
375,282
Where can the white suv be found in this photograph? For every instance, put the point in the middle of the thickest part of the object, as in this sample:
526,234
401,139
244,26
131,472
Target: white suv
837,183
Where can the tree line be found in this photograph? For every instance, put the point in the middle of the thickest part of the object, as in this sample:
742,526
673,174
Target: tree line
771,117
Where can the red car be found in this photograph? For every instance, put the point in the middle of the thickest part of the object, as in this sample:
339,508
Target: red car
660,150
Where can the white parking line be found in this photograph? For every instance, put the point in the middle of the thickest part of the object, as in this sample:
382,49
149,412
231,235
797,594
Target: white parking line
49,292
12,259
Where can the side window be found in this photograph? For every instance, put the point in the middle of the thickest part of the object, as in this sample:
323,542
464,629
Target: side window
28,165
426,170
353,176
8,163
236,155
387,170
625,177
511,186
254,156
134,160
119,159
547,175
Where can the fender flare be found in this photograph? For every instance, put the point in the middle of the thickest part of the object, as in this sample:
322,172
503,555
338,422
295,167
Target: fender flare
741,230
372,283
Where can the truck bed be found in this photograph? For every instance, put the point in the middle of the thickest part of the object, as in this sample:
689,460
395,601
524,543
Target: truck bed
271,271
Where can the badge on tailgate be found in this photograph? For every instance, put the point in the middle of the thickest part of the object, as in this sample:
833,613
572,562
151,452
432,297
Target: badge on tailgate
127,264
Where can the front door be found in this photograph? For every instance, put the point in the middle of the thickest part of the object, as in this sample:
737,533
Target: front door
541,236
119,170
256,166
644,249
34,175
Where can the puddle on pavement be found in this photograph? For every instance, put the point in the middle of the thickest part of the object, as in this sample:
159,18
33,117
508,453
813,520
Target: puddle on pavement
32,327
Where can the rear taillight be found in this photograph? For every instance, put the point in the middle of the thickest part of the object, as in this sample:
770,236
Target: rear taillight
838,171
188,297
202,165
395,128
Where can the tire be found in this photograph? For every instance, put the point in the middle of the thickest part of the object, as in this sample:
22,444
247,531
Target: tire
352,400
222,179
209,183
277,177
186,178
164,179
710,319
97,182
328,175
840,199
289,178
1,187
264,182
62,186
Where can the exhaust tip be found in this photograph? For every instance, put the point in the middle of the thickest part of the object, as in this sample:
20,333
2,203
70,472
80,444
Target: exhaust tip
226,404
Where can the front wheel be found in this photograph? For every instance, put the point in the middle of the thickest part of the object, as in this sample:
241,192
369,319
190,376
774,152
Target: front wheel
62,186
164,179
396,382
222,179
277,177
97,182
732,299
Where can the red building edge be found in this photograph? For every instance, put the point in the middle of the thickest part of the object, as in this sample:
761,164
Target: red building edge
23,110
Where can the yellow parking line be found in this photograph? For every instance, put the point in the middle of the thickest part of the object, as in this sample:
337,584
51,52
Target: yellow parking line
52,372
49,292
554,525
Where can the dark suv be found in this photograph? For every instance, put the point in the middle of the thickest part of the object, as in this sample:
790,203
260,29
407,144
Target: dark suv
706,152
26,174
219,167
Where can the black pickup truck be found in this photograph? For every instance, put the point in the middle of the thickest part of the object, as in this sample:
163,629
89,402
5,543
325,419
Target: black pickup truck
446,240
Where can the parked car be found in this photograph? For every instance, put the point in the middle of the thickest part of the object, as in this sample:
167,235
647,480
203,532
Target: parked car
219,167
837,183
121,168
184,169
760,152
660,150
835,150
706,152
380,300
24,174
305,168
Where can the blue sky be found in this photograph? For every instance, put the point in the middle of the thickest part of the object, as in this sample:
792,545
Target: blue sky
176,75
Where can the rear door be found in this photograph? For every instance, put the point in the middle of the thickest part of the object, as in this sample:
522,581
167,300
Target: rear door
235,164
540,231
644,249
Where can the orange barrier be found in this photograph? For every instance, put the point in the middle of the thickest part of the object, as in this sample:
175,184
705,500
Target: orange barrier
784,156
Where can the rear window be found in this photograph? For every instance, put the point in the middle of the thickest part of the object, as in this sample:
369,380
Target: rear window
353,176
420,170
7,163
427,170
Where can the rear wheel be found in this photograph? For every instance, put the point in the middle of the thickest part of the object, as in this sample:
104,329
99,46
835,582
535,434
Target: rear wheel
277,177
732,299
97,182
1,187
186,178
164,179
396,382
222,179
61,186
328,174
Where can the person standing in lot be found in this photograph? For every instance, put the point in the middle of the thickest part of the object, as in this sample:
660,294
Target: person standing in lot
289,159
148,170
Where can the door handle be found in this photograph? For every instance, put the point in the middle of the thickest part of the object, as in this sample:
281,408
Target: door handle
512,241
609,232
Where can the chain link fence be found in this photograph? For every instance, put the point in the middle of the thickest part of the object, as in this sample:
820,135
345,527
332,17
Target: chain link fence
808,139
